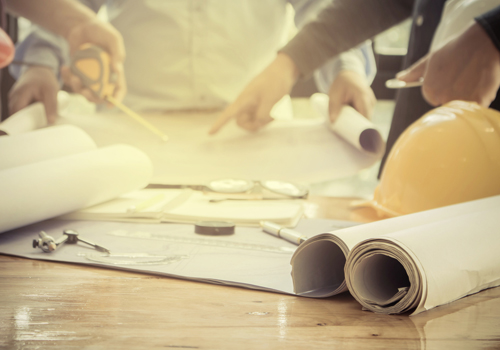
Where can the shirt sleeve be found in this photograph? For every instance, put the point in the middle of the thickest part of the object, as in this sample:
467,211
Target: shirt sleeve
490,21
341,26
42,47
359,59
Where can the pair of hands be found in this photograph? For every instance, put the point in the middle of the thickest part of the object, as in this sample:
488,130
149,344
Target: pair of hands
466,68
252,108
39,83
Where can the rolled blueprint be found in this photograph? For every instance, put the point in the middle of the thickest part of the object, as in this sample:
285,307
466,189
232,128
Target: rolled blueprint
43,144
331,263
351,126
60,183
426,266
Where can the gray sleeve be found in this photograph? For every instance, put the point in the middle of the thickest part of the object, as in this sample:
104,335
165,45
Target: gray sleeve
42,47
341,26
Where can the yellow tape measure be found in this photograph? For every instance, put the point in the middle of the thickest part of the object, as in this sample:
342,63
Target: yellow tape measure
93,66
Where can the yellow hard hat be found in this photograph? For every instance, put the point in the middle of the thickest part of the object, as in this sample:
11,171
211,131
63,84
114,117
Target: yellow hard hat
450,155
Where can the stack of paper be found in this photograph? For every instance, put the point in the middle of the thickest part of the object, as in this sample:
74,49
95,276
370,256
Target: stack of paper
188,206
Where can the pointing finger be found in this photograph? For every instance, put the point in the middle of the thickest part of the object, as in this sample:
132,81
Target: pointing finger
232,111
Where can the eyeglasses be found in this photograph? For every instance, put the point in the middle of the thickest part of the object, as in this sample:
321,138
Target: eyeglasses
264,188
246,189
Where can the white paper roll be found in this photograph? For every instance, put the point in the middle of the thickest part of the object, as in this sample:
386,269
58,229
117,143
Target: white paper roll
42,190
43,144
319,263
351,126
426,266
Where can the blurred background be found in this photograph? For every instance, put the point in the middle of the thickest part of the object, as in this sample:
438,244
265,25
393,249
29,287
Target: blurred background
389,48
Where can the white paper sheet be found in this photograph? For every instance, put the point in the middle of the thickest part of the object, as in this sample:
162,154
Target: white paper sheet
297,150
250,258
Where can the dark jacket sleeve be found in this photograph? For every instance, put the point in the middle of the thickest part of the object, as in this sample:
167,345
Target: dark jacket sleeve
341,26
490,21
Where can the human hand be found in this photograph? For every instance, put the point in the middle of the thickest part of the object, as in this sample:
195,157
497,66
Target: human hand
466,68
252,107
109,39
350,88
36,84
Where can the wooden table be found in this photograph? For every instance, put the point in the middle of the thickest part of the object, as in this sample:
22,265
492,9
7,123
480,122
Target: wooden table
64,306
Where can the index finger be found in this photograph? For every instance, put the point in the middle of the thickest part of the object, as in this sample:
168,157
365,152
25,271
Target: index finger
229,113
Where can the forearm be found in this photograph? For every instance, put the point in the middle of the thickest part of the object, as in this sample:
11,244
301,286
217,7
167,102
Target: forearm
358,60
49,48
42,48
58,16
340,27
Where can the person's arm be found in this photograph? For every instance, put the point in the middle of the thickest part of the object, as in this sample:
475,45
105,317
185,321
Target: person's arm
340,26
46,52
347,76
466,68
47,45
58,16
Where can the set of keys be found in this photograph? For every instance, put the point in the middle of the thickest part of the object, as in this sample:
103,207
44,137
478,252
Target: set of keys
49,244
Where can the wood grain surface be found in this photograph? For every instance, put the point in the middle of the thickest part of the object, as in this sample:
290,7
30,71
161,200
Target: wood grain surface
46,305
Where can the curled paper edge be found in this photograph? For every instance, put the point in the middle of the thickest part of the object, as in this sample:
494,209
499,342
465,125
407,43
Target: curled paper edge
32,117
